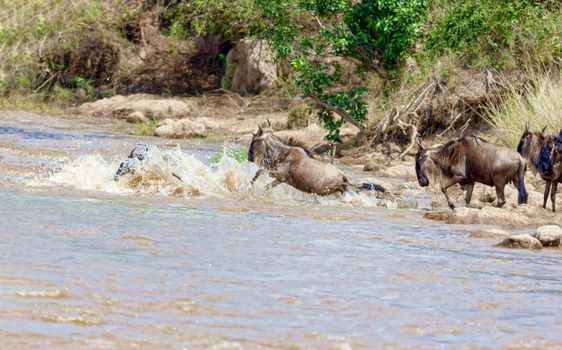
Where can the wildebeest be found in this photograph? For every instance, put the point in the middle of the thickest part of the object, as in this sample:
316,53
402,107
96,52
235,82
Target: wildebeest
553,149
468,160
290,161
536,148
137,154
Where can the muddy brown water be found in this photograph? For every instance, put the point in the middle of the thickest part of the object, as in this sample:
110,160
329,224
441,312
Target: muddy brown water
87,262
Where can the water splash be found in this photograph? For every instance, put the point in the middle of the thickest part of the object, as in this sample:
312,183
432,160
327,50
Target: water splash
175,173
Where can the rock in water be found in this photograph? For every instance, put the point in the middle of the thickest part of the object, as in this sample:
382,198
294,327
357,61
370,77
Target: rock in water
549,235
491,233
523,241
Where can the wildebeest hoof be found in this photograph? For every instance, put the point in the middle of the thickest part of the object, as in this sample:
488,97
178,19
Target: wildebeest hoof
452,206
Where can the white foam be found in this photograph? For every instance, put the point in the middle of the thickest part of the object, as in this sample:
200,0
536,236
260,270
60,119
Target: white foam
228,178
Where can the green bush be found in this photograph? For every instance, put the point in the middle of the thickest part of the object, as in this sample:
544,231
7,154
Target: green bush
496,33
239,155
385,29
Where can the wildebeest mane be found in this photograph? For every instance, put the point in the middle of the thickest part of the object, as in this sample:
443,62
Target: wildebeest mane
452,151
294,142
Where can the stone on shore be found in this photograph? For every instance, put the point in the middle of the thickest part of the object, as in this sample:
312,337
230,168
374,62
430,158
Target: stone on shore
523,241
490,233
182,128
549,235
400,170
488,215
153,109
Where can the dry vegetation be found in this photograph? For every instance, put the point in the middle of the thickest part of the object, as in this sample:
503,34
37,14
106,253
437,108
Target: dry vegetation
30,28
463,69
539,103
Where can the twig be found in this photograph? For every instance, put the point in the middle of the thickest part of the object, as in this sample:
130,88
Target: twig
348,118
451,124
48,81
413,135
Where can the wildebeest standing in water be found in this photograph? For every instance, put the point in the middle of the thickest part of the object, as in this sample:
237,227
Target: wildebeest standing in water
290,161
537,149
468,160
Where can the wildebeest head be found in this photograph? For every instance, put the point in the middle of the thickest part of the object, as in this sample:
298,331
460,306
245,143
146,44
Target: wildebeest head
422,163
257,149
529,140
138,153
558,143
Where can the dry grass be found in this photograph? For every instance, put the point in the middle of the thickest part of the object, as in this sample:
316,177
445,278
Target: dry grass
30,27
539,104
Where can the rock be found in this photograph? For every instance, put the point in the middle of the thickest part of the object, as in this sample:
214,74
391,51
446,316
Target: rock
401,170
407,203
523,241
549,235
372,166
137,117
153,109
182,128
105,106
491,233
487,216
250,68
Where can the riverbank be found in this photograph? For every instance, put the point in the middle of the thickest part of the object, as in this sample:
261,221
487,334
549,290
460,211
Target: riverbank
232,137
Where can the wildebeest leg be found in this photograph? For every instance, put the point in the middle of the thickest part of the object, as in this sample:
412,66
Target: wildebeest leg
546,191
258,173
468,196
450,182
500,194
553,195
273,184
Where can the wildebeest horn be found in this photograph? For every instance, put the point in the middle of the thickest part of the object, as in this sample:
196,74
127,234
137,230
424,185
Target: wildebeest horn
527,127
543,129
419,144
268,123
260,131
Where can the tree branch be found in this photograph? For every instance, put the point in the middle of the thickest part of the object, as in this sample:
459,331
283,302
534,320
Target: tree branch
348,118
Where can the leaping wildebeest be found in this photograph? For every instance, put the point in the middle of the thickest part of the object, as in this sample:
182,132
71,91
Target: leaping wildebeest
290,161
468,160
536,148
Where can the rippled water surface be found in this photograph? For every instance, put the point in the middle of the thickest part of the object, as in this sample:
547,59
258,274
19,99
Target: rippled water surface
150,262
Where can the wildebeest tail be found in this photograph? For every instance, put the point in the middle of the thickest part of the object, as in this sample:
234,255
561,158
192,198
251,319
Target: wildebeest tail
369,187
521,182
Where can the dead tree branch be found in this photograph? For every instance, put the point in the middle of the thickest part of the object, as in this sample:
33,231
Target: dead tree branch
346,116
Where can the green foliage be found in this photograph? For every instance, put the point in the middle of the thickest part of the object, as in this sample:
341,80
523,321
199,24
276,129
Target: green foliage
144,129
237,154
299,115
90,14
226,81
374,32
230,20
385,29
86,85
493,32
7,35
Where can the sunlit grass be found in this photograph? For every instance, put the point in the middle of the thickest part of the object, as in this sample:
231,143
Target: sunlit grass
144,129
238,154
539,104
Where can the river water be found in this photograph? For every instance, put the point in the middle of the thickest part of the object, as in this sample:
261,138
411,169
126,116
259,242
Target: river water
151,262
